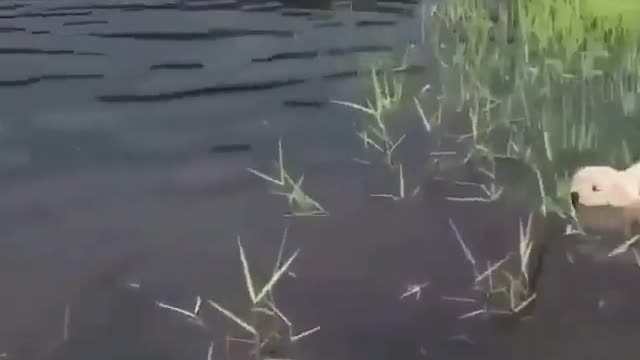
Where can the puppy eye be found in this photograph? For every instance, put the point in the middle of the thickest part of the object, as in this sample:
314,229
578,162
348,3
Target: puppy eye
595,188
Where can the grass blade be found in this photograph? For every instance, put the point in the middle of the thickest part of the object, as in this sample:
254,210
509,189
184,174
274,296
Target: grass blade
285,236
281,161
247,274
472,314
210,352
425,121
465,249
304,334
279,313
492,268
176,309
233,317
355,106
524,303
274,279
625,246
526,246
266,177
636,256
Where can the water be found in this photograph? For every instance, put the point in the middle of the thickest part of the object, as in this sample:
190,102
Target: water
127,132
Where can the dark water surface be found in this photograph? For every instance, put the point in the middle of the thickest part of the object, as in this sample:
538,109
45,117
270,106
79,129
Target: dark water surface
126,132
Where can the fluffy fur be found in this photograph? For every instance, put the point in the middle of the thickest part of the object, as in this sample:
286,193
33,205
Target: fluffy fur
603,186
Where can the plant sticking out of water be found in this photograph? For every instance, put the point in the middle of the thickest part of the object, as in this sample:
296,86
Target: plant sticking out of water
271,331
377,131
434,120
269,327
630,244
300,203
492,193
514,291
402,192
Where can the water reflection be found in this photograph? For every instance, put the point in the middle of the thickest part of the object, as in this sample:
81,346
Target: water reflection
128,130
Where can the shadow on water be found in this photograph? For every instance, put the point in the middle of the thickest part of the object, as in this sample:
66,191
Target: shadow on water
443,227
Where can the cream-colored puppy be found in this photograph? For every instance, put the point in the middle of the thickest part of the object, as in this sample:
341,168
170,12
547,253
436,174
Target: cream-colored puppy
604,197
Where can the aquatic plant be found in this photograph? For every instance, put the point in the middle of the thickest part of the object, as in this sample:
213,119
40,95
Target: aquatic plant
515,290
299,202
268,326
377,130
267,320
402,188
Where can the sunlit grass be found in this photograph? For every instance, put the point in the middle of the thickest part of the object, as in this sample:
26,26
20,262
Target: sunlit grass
550,72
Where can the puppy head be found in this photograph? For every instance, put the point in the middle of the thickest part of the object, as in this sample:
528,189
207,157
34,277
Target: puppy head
603,186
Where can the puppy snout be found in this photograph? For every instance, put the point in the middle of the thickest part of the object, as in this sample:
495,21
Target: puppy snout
575,199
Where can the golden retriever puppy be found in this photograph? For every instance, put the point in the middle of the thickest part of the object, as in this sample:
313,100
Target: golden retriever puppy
605,198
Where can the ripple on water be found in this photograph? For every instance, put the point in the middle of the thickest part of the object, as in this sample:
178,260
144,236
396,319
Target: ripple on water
84,22
265,7
120,6
177,94
48,14
10,29
31,80
177,66
211,34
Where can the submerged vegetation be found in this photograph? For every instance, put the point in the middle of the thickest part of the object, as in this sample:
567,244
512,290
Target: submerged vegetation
300,203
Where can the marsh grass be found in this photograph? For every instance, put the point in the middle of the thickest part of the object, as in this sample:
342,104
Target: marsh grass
299,202
491,192
624,247
267,320
545,82
402,192
377,130
267,326
503,292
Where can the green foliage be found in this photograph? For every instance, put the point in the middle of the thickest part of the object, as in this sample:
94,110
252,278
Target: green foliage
558,77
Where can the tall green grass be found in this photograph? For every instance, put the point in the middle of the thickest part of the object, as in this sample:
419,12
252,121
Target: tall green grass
558,77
